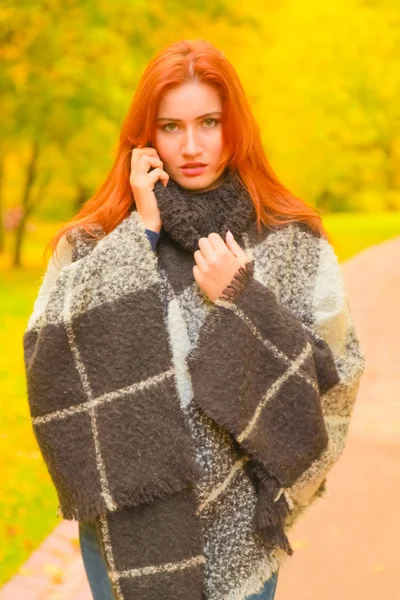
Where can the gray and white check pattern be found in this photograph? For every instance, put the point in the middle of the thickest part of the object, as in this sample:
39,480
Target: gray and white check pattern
196,407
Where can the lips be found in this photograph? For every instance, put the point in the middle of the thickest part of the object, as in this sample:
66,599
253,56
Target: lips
192,165
193,169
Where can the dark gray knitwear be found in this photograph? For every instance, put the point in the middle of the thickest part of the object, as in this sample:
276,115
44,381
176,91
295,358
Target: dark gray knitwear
290,301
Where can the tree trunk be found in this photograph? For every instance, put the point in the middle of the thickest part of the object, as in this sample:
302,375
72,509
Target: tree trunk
27,205
2,236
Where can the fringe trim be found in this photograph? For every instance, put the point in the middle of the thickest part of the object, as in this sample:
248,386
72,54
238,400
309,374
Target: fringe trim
270,515
238,283
164,488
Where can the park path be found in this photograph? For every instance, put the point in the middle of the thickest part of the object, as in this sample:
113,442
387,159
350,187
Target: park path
53,572
346,545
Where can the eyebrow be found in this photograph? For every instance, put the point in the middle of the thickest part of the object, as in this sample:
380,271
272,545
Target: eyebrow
214,112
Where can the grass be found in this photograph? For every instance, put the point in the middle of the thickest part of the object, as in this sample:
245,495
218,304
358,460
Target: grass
352,232
28,499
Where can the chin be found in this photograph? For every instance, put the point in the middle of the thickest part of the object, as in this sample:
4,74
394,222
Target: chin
196,183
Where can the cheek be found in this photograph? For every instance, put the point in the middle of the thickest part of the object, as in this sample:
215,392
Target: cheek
166,149
217,145
216,138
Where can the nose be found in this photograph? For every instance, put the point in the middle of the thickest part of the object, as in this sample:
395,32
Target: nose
191,145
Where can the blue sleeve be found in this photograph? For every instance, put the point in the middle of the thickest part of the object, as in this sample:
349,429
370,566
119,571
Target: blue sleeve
153,237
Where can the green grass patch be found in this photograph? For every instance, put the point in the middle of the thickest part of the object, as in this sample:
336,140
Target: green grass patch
353,232
28,500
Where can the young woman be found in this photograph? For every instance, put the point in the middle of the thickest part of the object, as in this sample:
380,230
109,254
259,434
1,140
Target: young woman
191,358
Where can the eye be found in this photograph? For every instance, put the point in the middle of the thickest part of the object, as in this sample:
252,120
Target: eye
210,119
167,125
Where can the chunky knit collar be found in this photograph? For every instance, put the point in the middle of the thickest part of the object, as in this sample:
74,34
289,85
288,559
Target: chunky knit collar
187,216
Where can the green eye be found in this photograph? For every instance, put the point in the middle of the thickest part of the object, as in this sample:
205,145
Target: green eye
167,126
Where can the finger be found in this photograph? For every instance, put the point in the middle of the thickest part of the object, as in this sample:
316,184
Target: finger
206,248
158,173
200,261
142,163
150,161
234,246
138,152
196,273
216,241
141,149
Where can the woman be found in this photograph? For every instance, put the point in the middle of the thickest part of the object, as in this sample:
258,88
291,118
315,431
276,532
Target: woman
191,359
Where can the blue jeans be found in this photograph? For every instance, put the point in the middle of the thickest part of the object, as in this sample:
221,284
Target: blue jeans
99,581
94,563
268,591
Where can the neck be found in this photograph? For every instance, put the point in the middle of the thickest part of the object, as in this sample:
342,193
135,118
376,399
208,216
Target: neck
188,215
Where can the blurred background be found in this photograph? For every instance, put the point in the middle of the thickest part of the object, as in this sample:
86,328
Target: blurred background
323,79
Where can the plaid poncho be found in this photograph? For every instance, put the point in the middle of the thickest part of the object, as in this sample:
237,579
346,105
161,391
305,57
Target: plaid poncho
114,383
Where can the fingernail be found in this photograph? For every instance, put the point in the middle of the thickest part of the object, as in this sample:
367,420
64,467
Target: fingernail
229,234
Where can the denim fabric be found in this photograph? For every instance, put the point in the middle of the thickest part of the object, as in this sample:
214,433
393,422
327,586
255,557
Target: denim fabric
268,591
99,581
153,236
94,563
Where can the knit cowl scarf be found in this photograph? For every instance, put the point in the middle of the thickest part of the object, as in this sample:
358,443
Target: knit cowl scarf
188,215
105,406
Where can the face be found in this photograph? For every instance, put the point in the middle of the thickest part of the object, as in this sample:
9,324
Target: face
189,130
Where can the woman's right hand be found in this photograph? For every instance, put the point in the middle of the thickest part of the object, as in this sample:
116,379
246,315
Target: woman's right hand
142,183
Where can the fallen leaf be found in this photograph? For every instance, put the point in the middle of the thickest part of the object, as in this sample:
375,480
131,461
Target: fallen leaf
55,571
298,544
27,572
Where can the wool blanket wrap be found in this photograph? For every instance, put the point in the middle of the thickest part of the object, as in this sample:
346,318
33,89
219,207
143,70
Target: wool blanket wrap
102,391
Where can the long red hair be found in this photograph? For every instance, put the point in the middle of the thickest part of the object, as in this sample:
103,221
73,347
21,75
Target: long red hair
182,61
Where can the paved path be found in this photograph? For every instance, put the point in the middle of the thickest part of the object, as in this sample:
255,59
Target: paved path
346,546
53,572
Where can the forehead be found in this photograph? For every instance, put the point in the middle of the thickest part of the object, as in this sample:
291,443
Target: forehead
189,100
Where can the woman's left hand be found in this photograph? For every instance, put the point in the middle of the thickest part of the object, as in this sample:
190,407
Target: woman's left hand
216,263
